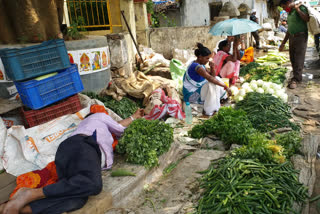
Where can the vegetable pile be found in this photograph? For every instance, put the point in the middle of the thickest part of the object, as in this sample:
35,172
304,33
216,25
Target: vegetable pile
268,73
259,86
144,141
232,126
124,108
266,112
273,56
256,178
247,186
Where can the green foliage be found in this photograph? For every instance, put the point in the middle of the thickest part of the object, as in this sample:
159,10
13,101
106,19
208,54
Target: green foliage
124,108
144,141
232,126
291,142
257,149
75,28
266,112
150,6
255,71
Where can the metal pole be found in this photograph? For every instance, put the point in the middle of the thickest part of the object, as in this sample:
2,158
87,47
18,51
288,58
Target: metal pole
135,44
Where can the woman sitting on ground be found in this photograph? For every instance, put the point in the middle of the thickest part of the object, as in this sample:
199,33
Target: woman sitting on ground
226,65
202,86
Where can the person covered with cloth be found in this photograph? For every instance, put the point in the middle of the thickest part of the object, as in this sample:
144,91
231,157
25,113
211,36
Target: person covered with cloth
297,34
65,184
227,65
201,86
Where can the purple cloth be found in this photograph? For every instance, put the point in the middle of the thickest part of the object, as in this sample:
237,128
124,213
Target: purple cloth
104,126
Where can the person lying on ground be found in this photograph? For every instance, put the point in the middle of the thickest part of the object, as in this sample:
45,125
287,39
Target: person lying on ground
78,163
201,85
227,65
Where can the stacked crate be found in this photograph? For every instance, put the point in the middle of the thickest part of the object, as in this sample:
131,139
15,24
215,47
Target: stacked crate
44,76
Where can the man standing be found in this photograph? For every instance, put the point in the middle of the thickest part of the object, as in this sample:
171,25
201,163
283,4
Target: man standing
256,33
316,41
298,38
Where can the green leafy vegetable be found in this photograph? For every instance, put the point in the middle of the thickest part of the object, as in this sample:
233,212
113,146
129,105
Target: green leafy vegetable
124,108
232,126
144,141
268,73
291,141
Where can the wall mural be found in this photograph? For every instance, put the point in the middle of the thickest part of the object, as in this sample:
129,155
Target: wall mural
88,61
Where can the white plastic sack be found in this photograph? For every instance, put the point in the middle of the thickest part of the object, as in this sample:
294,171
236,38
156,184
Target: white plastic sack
157,58
267,26
31,149
183,55
3,135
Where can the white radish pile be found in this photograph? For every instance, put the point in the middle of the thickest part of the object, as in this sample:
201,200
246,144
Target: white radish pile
259,86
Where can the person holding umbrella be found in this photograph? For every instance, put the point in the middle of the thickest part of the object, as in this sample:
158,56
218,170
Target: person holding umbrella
297,35
228,65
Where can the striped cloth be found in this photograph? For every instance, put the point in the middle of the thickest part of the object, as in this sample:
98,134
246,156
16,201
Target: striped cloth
169,106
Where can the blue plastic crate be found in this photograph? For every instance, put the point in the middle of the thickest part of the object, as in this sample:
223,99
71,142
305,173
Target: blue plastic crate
38,94
26,63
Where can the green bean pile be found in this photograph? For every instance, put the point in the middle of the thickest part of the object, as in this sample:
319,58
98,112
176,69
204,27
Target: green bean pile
237,186
266,112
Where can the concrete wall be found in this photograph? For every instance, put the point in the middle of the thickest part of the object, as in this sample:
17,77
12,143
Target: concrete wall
142,25
197,13
164,40
128,7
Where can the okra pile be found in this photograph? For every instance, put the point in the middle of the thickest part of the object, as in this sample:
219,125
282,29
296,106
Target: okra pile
241,186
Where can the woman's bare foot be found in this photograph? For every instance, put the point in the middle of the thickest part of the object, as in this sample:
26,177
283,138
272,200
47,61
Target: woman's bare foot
22,198
2,207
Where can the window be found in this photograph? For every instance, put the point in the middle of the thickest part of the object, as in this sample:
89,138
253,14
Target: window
215,8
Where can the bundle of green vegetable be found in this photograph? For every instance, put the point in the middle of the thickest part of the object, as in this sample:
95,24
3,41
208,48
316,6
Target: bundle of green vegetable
262,149
144,141
124,108
266,72
266,112
273,56
259,86
232,126
291,142
233,185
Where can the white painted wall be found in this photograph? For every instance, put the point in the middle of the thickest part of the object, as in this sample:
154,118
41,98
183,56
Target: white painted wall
195,12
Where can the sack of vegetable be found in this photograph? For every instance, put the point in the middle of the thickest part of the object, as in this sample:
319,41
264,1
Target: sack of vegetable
144,141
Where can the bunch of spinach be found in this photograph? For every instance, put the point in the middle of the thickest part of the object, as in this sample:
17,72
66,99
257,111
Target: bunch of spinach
124,108
266,112
232,126
144,141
